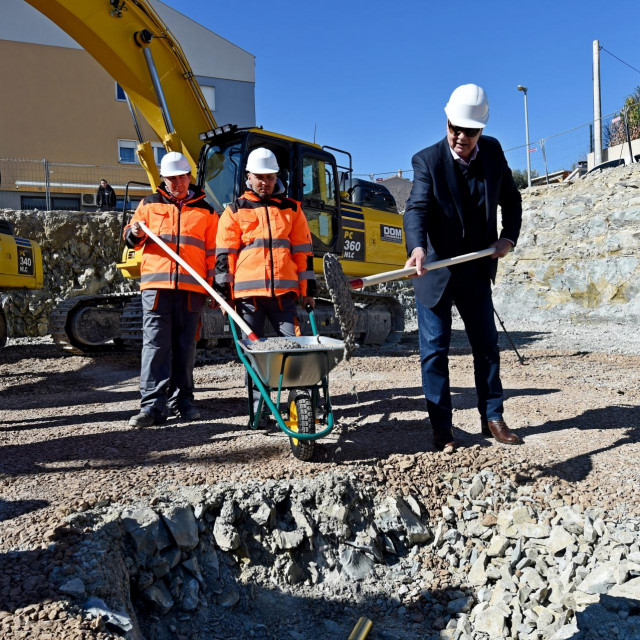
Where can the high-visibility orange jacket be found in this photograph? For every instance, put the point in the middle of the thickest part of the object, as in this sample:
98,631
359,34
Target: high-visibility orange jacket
264,248
188,227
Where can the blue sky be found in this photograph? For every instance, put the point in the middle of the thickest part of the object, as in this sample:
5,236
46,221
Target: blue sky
373,77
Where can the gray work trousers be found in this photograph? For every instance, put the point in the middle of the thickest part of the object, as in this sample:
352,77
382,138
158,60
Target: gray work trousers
169,326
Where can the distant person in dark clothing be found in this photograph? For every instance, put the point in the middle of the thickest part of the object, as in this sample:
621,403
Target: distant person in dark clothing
106,197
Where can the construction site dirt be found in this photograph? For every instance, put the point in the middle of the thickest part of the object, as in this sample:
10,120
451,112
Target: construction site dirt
65,448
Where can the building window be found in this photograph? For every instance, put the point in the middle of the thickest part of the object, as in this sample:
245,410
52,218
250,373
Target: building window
58,203
158,152
127,151
209,94
132,206
120,94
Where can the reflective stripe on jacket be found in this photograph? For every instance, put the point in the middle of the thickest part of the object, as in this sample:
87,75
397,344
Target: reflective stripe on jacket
264,248
190,230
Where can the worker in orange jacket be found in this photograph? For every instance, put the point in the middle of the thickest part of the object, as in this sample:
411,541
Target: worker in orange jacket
172,300
264,253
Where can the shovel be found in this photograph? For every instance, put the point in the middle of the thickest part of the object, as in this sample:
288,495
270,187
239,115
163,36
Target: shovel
214,294
388,276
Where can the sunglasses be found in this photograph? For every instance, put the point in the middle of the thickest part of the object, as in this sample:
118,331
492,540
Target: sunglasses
468,131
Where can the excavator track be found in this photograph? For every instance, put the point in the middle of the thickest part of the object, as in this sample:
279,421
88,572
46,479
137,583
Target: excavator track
380,319
88,325
214,332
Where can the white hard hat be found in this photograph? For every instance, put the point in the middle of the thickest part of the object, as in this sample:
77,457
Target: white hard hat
468,106
261,161
174,164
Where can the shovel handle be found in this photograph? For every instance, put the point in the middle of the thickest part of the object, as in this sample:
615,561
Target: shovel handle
388,276
210,290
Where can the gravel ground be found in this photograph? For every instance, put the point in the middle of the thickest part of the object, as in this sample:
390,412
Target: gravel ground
65,445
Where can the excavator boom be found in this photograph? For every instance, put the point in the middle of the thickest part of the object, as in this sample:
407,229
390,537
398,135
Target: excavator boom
131,42
115,33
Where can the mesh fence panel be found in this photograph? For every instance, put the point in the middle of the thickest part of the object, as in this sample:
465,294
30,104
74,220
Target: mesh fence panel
73,183
614,131
563,151
559,152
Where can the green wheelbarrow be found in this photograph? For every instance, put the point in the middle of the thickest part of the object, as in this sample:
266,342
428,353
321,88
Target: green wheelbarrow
303,373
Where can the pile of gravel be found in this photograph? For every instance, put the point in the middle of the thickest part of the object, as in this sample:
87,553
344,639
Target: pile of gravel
490,550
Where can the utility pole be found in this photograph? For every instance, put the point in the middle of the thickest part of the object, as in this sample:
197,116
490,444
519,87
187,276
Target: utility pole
526,129
597,106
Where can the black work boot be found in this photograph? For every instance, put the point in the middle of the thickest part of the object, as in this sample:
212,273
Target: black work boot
143,419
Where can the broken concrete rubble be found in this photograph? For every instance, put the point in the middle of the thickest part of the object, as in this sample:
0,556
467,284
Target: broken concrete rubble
511,583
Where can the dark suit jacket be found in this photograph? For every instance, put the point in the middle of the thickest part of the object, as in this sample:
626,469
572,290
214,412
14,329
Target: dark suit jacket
433,215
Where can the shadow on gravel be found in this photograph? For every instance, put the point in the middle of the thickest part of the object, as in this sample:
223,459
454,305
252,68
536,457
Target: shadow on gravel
388,435
13,353
617,617
600,420
23,577
89,385
10,509
163,444
404,399
212,409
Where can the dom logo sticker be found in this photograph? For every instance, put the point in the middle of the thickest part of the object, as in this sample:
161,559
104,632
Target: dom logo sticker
390,234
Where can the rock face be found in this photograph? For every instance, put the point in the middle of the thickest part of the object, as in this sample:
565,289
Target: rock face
79,252
577,257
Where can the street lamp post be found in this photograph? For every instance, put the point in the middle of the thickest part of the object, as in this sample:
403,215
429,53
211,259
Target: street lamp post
526,127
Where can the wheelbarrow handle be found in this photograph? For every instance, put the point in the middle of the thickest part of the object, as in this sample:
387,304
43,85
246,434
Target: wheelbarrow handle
388,276
210,290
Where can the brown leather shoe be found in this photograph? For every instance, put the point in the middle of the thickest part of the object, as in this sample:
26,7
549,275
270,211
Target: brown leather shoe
444,441
499,430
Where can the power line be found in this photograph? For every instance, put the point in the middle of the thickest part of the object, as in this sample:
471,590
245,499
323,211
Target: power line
619,59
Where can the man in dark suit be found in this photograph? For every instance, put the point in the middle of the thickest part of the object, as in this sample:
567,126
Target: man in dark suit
452,210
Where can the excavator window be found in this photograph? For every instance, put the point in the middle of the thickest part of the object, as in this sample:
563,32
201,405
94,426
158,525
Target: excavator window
319,197
221,167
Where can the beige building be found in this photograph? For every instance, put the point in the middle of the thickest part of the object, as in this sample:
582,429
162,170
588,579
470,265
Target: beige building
61,109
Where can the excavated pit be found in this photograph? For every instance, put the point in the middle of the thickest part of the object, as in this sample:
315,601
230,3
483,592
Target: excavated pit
304,559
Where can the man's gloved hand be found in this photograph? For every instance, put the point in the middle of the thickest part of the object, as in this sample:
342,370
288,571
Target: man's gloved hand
136,230
308,300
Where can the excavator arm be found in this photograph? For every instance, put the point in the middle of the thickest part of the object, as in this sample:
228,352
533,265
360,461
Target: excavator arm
132,43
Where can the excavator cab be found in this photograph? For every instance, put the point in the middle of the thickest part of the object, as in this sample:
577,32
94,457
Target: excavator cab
307,173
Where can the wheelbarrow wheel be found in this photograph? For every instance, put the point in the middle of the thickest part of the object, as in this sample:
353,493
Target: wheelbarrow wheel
301,420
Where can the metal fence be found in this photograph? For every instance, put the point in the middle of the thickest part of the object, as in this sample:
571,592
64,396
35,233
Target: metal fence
619,130
565,151
558,152
45,185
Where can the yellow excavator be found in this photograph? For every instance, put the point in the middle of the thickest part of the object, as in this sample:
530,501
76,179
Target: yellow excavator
354,219
20,266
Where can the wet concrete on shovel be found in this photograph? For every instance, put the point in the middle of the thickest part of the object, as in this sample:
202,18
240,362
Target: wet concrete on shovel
340,292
